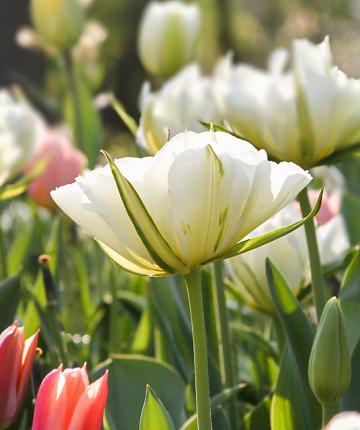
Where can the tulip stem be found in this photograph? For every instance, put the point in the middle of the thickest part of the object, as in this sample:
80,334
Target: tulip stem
193,283
328,411
75,100
223,335
314,256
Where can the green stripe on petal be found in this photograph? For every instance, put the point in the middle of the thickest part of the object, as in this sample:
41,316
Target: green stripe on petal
256,242
147,230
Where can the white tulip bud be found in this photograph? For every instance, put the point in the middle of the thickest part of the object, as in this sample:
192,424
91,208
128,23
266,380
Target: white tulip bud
168,36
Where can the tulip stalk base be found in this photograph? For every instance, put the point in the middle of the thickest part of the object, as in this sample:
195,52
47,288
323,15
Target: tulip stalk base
314,256
222,327
328,411
193,283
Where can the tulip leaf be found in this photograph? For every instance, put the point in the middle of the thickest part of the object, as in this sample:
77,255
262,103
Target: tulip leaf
154,415
9,300
256,242
150,235
84,119
350,300
259,417
8,192
217,401
124,116
128,376
294,405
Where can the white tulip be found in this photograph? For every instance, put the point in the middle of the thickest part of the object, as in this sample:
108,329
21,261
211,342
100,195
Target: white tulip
21,129
303,115
289,254
199,196
168,36
183,101
345,421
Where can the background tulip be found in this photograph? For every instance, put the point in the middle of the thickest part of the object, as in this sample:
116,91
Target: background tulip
59,22
345,421
289,254
168,35
63,164
279,110
21,129
204,193
16,358
66,401
179,105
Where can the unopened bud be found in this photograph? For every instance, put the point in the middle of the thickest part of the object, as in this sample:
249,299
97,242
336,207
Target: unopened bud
168,36
59,22
329,364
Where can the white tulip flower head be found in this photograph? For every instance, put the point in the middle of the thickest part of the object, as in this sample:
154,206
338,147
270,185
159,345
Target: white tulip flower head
189,204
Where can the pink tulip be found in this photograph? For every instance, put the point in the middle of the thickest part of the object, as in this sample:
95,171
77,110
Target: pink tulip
66,401
330,205
16,361
64,164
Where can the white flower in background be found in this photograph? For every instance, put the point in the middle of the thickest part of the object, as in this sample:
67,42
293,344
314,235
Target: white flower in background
204,193
21,129
289,254
179,105
345,421
302,115
168,36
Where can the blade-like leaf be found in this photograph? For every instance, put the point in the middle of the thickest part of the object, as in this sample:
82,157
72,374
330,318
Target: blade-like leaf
154,415
249,244
152,239
124,116
128,376
9,300
294,408
350,300
11,191
217,401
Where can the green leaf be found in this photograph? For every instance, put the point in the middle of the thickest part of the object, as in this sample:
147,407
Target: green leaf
259,417
249,244
216,402
351,399
351,209
9,300
128,376
152,239
11,191
255,339
154,415
294,405
350,300
128,120
84,121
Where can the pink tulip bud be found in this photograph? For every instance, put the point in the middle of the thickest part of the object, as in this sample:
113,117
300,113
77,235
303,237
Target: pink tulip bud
16,358
66,401
63,164
330,205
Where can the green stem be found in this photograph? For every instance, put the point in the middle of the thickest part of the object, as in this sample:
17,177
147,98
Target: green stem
223,336
314,256
75,100
193,283
328,411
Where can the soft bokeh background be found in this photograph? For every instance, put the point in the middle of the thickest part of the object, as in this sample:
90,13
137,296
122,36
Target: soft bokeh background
251,28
